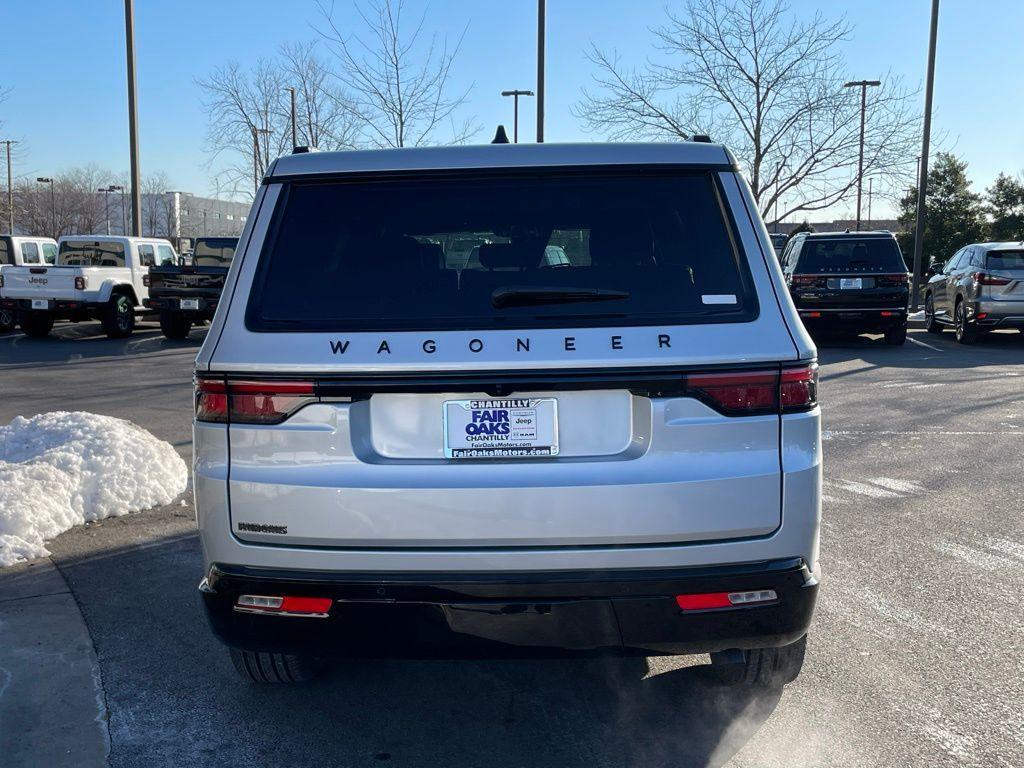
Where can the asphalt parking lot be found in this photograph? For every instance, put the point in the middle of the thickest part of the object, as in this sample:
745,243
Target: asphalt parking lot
916,656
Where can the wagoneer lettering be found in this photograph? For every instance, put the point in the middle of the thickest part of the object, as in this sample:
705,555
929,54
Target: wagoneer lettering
533,432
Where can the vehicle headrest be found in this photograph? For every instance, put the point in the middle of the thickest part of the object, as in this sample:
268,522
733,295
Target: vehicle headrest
506,256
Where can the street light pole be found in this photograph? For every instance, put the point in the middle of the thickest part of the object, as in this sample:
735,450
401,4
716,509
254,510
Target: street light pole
133,116
106,205
256,155
515,111
295,140
53,203
922,171
10,189
124,221
863,85
541,22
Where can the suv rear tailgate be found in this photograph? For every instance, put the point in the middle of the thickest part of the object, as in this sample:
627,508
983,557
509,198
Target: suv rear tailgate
371,473
40,282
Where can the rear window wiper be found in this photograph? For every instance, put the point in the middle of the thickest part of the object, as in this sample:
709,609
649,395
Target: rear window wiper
525,296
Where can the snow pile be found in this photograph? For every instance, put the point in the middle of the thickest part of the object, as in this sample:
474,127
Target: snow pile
62,469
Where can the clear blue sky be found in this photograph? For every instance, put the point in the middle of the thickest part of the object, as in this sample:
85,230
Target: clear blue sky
64,61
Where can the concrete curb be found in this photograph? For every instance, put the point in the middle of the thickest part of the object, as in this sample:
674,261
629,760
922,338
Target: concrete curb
52,707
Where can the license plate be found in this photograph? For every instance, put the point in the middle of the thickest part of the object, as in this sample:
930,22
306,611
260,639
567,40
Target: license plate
850,283
40,304
515,428
190,303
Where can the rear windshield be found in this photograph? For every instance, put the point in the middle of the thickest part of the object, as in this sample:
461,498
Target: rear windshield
1005,260
500,252
214,251
870,255
96,253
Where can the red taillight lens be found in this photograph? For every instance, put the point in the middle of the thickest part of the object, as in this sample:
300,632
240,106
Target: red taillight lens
267,402
808,281
145,280
746,393
250,402
897,279
983,278
80,283
741,392
288,604
798,388
211,400
703,602
306,604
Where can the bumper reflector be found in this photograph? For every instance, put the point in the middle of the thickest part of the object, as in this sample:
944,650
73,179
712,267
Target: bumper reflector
709,600
289,606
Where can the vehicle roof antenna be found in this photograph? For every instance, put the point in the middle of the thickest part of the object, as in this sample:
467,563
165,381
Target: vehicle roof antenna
500,137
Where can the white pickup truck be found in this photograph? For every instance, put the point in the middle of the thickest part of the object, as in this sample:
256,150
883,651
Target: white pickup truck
95,278
16,250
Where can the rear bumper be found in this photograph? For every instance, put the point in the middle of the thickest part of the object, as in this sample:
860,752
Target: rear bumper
173,304
513,614
57,307
854,318
997,314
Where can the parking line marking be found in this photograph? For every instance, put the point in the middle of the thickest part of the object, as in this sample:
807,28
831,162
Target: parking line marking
925,344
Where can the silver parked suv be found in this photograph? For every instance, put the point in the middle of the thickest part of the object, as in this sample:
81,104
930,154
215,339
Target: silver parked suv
399,451
980,289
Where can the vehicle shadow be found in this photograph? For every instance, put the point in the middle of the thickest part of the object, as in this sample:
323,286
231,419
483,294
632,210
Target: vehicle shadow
922,351
174,697
84,341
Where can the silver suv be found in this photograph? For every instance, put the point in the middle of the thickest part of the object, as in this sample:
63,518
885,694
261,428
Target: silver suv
980,289
399,451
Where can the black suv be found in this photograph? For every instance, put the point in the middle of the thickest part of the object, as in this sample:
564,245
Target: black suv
849,282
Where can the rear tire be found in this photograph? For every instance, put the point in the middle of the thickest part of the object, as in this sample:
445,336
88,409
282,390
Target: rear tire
270,668
7,321
896,337
36,324
965,333
766,667
930,324
118,317
175,325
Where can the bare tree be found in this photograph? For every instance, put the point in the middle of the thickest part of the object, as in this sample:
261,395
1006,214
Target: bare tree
398,80
75,207
325,118
243,106
768,84
157,206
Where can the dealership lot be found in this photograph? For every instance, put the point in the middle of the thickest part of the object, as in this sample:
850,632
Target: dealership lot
914,657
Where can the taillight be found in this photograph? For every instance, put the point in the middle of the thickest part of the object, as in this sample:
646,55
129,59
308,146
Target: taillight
266,402
747,393
705,601
250,402
808,281
1,281
798,388
739,393
81,282
983,278
145,280
901,278
211,400
286,605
